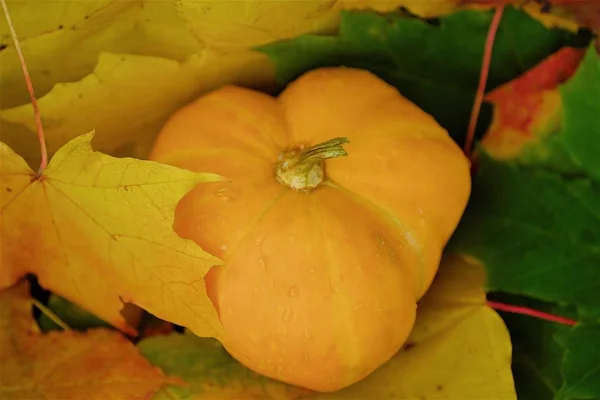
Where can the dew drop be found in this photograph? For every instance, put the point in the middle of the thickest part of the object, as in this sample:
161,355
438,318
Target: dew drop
223,247
293,291
292,239
220,192
262,263
358,306
305,354
260,239
306,333
288,315
312,271
379,309
263,289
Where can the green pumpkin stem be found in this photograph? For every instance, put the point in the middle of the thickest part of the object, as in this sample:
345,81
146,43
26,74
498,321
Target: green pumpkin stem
303,169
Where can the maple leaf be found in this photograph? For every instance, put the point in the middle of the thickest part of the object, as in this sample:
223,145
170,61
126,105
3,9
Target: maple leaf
97,230
209,371
537,355
570,14
99,364
459,348
515,205
62,39
581,366
533,218
527,110
413,55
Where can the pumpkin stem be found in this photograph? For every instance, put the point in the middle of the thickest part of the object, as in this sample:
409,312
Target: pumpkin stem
302,169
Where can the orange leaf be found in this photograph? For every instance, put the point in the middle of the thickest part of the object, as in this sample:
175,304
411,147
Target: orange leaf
566,14
528,108
100,364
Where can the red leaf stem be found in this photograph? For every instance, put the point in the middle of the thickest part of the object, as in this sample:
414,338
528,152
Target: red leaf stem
531,312
36,109
485,69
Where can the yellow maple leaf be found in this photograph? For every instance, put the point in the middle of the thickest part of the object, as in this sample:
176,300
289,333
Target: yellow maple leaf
97,230
61,40
99,364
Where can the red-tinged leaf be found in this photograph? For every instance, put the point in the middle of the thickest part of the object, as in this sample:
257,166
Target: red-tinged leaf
97,365
528,109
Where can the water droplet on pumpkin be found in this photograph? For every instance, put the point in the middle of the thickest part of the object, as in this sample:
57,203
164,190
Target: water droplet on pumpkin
305,354
288,315
223,247
262,263
379,309
220,192
292,239
358,306
293,291
260,239
306,333
312,271
263,289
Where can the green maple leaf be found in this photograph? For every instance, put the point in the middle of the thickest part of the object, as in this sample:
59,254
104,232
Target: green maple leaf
581,364
435,65
537,354
210,371
536,228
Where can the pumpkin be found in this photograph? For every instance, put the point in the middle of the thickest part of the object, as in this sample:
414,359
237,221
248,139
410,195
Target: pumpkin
341,195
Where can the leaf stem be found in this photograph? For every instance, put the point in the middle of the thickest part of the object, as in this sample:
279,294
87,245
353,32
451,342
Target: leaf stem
48,312
34,103
531,312
485,69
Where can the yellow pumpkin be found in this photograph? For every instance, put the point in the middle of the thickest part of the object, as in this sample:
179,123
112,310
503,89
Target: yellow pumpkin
342,195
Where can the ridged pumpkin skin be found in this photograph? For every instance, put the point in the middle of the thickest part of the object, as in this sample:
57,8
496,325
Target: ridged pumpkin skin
319,287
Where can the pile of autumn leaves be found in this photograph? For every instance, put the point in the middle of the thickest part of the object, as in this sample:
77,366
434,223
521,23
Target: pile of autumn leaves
97,230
